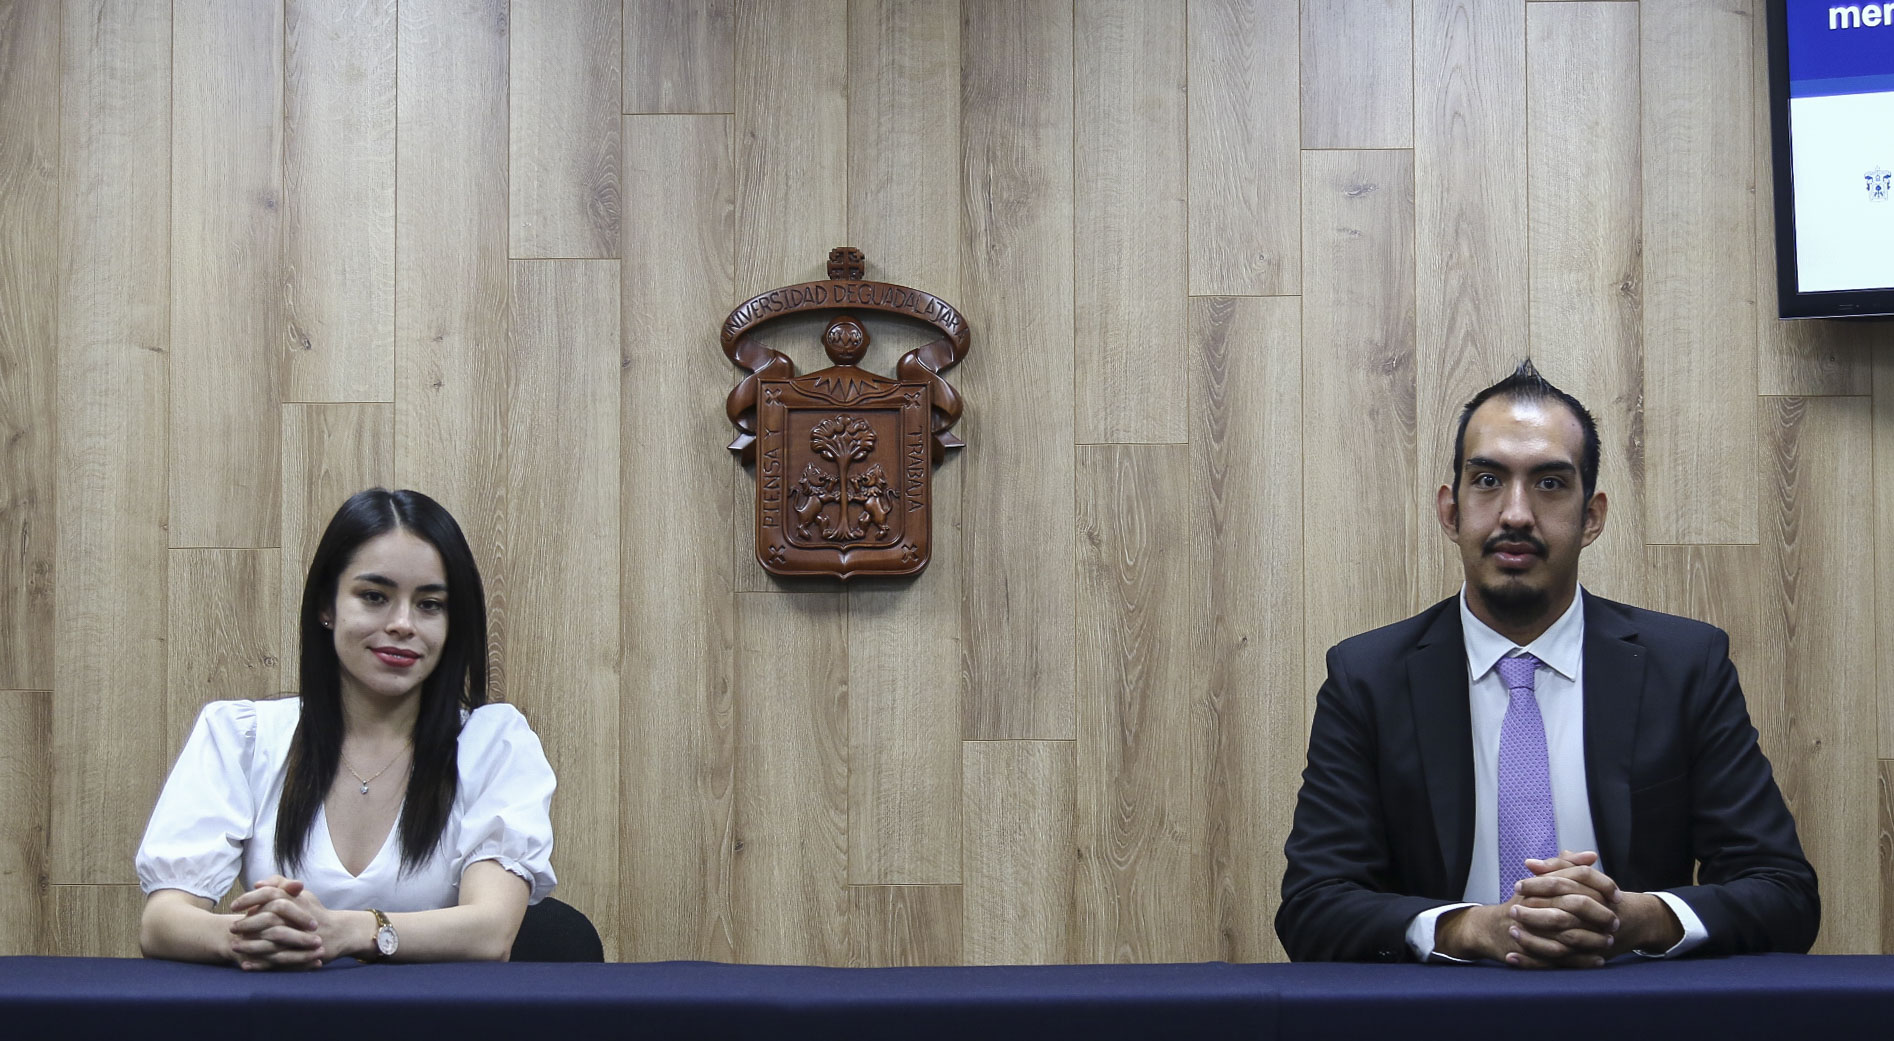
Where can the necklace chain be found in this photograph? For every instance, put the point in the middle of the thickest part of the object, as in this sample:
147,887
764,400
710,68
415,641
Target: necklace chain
364,781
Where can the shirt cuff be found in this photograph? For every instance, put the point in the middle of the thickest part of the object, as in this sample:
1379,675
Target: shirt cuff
1694,932
1420,934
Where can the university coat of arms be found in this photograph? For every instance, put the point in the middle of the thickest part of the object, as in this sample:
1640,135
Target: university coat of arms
844,457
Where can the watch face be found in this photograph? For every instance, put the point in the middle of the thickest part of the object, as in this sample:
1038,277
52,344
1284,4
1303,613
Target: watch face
385,940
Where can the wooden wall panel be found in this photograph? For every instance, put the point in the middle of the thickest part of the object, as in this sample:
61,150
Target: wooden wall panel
1141,892
563,568
1357,396
792,187
1883,449
1357,74
565,90
226,271
1885,846
1470,226
677,615
1245,219
1130,217
904,637
1246,430
1723,585
790,857
114,338
26,775
96,921
225,641
677,55
904,925
29,265
1802,357
1586,272
451,321
339,201
1015,109
1819,609
1699,275
330,452
1018,819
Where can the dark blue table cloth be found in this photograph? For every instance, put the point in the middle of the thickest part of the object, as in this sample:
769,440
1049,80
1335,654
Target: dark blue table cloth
1761,996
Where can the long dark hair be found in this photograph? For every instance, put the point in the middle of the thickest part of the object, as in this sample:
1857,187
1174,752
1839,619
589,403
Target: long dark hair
458,681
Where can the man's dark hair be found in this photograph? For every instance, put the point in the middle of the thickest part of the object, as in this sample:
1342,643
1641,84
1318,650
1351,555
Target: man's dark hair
1525,384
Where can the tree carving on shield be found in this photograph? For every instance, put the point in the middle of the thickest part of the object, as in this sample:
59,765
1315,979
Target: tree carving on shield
844,457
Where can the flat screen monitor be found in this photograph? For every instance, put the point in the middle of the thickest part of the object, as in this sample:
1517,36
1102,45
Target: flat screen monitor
1831,94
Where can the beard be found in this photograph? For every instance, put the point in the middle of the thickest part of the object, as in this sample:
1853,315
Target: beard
1514,602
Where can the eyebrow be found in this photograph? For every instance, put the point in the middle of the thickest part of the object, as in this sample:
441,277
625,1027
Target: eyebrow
384,580
1555,466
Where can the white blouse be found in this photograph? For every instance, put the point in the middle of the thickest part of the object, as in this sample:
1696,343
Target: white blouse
217,814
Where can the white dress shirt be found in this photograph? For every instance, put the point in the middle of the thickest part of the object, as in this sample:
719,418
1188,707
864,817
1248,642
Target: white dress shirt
1560,688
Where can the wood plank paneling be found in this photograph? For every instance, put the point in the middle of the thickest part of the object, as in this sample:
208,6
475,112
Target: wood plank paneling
451,322
1885,846
1469,235
1357,396
562,487
226,632
1357,74
904,925
1586,269
1130,213
1723,585
1018,821
1015,109
904,637
96,921
677,55
330,452
792,186
1819,609
26,779
1142,887
1244,127
1811,357
1699,273
114,335
1246,434
226,272
339,201
29,265
1883,448
790,863
677,616
564,92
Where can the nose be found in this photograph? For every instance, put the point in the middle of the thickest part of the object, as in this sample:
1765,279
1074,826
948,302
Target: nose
401,619
1515,508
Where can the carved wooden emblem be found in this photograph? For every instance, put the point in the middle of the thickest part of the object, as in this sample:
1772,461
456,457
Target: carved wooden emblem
844,457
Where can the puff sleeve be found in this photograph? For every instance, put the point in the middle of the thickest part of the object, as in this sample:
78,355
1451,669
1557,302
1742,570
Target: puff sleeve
505,799
207,810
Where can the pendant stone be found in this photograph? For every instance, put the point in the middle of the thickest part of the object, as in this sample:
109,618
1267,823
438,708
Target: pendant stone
364,787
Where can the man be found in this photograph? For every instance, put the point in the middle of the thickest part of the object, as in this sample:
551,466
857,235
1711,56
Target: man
1529,774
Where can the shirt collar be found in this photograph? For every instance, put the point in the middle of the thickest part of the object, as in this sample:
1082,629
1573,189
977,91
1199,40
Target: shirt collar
1560,646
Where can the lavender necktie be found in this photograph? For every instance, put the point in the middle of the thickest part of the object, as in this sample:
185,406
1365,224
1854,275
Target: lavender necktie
1528,826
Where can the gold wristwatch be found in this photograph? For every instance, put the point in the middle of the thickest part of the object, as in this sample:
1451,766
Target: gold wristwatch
387,941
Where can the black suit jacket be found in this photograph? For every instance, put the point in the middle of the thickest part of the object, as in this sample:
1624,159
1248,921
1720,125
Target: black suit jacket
1384,822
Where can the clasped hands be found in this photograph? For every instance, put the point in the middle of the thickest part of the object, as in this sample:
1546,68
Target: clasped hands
283,926
1567,914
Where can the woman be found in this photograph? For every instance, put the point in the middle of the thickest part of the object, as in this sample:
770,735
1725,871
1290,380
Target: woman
389,812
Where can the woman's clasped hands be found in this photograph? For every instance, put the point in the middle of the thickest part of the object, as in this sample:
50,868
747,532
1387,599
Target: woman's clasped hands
282,926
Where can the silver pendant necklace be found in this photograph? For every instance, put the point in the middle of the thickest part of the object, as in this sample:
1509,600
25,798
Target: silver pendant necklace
364,781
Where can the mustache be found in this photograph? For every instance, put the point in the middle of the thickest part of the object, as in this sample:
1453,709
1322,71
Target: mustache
1503,537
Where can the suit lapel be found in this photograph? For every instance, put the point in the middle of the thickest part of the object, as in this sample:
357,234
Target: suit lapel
1443,727
1614,689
